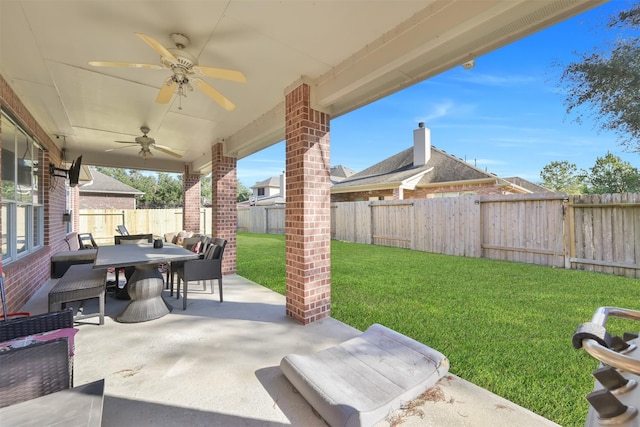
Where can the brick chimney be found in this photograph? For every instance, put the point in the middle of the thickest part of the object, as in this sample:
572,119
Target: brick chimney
283,184
421,145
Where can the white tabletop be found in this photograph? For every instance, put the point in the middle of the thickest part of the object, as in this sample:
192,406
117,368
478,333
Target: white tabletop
139,254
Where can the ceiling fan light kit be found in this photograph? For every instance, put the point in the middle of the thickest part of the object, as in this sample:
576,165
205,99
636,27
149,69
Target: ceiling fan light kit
186,71
145,153
146,143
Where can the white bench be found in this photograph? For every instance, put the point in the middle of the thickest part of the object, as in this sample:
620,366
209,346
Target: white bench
361,381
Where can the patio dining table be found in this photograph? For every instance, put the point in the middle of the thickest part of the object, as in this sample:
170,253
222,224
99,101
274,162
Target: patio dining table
146,283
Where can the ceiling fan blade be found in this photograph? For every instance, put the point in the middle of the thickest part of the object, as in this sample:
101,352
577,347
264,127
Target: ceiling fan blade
212,93
155,44
221,73
118,148
167,150
125,65
126,142
166,91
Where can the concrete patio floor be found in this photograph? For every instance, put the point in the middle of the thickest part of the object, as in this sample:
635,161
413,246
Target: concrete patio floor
217,364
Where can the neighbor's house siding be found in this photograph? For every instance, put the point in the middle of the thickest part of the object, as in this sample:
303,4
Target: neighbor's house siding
360,196
419,193
28,274
478,189
106,201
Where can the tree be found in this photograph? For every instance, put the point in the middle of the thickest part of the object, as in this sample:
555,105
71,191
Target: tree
205,188
564,177
612,175
243,192
169,192
160,190
609,80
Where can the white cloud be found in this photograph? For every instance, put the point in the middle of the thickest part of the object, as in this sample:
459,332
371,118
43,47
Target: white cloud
439,110
445,109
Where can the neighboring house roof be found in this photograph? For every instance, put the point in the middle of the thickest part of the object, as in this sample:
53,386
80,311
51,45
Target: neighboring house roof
398,171
274,181
276,199
339,173
528,185
102,183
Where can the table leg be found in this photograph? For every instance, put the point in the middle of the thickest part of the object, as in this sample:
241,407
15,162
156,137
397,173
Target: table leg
145,289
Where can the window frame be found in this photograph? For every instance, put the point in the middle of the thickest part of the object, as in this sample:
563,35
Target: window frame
32,221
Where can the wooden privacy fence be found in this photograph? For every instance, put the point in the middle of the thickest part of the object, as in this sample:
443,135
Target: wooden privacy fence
596,232
267,219
604,233
102,223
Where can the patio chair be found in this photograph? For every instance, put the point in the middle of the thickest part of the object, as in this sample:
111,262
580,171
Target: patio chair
122,230
198,245
25,326
209,267
133,239
34,370
85,241
13,329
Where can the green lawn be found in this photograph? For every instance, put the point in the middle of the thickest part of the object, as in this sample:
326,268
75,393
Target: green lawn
504,326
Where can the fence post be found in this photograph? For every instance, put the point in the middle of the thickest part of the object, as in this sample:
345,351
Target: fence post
480,239
568,226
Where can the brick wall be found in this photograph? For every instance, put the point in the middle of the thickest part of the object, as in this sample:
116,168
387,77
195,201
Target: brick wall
224,181
191,202
106,201
307,223
361,195
479,189
27,275
419,193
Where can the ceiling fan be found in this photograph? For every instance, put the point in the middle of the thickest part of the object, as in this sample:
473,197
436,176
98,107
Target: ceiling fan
146,143
185,71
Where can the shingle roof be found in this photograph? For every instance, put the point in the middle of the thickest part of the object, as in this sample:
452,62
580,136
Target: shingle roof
528,185
339,173
105,184
274,181
441,167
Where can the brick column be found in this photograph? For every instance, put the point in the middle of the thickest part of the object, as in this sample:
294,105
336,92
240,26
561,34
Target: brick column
224,179
308,215
191,205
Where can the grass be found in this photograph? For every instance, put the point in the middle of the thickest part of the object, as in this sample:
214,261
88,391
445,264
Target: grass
506,327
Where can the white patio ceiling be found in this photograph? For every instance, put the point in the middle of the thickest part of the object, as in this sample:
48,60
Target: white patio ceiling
350,52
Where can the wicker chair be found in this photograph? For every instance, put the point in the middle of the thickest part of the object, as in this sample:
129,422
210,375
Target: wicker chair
34,370
38,324
25,326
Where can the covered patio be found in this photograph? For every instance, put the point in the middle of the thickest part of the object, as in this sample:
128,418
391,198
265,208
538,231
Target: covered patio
78,78
217,364
305,62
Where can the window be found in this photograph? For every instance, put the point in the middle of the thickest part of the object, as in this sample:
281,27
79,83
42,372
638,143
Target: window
261,191
22,194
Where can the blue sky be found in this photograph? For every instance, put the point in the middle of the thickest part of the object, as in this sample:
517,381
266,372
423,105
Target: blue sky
506,115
